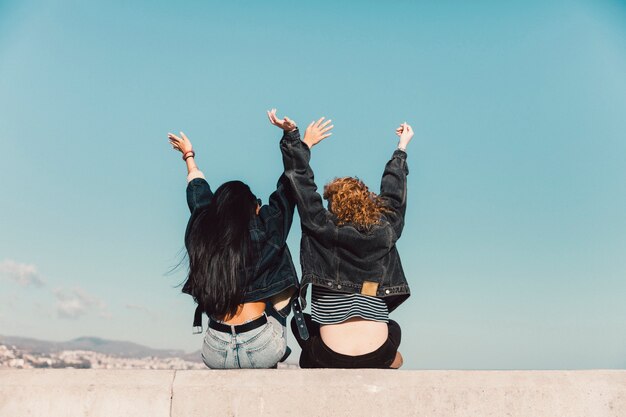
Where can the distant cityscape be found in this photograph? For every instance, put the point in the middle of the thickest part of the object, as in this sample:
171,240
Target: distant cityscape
14,358
91,353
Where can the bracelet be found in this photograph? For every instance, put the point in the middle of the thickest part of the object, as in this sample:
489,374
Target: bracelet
188,155
400,148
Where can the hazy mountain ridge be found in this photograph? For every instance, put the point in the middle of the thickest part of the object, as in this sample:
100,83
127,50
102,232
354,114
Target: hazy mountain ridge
95,344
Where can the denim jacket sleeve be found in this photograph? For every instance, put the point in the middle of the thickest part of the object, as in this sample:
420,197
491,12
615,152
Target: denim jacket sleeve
393,190
296,156
199,194
278,213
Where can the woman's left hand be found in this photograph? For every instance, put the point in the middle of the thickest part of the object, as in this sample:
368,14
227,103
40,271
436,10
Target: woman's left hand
181,144
285,124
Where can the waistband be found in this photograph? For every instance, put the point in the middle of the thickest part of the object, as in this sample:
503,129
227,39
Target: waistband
240,328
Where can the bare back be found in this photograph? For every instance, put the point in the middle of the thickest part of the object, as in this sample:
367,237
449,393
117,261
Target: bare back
355,336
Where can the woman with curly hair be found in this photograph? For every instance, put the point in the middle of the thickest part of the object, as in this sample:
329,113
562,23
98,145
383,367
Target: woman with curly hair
348,254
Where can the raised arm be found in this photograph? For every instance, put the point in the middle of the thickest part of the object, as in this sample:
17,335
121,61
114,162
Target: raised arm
296,156
393,184
199,192
278,213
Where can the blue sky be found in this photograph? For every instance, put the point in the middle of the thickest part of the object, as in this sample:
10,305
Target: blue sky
515,231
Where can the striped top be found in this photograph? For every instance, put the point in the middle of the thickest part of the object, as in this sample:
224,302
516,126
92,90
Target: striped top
330,307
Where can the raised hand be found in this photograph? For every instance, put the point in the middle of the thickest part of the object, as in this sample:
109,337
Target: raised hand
317,132
405,133
181,144
285,124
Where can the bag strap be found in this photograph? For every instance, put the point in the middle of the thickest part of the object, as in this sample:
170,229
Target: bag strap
297,313
197,321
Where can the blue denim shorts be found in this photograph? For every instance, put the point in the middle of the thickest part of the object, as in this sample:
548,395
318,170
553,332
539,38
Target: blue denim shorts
262,347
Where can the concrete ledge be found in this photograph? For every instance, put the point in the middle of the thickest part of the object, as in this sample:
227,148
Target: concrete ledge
66,392
312,393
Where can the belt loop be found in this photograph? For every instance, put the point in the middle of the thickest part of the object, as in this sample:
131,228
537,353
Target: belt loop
233,339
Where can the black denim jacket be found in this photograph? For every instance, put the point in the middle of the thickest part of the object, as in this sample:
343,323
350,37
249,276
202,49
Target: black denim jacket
342,258
273,272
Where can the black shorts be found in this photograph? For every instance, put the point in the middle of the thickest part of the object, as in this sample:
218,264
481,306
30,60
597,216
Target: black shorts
315,354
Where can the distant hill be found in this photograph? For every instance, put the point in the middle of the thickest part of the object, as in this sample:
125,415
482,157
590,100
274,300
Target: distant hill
96,344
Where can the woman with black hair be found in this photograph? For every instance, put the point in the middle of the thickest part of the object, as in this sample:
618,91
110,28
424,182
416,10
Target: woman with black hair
348,254
240,270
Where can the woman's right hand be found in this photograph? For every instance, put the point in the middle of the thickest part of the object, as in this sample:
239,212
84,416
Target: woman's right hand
317,132
181,144
405,133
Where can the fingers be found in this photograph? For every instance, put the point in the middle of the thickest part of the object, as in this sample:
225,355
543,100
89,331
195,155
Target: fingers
271,114
172,136
404,126
404,130
320,123
320,128
174,141
327,129
282,123
325,123
184,137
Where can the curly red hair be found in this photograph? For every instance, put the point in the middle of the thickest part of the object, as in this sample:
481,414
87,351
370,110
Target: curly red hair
353,203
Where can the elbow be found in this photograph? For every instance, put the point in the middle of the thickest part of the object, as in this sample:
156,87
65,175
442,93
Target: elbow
193,174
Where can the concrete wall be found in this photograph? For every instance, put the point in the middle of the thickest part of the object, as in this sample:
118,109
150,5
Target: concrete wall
312,393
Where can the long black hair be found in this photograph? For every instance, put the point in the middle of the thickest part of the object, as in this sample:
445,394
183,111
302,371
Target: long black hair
218,246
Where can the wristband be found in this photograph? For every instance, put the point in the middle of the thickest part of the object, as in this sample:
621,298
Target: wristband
400,148
188,155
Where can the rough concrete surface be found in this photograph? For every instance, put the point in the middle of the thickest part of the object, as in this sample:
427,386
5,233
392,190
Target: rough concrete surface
313,393
69,392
